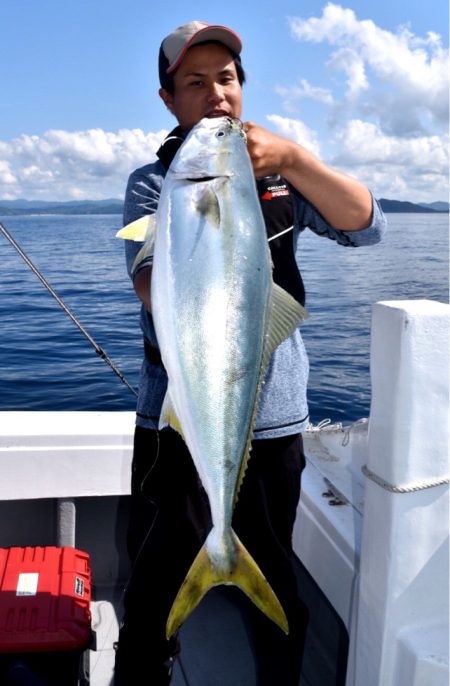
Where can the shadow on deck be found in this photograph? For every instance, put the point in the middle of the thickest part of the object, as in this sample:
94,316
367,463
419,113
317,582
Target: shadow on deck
215,647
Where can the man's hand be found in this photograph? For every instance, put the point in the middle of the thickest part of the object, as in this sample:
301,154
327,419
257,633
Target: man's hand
268,152
344,202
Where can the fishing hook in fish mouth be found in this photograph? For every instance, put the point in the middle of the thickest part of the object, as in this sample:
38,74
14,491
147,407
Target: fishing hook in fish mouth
243,131
238,122
232,123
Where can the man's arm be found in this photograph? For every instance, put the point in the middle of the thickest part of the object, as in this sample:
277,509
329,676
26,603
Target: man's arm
141,285
141,198
344,202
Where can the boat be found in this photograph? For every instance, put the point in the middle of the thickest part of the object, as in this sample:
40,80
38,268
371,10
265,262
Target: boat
371,536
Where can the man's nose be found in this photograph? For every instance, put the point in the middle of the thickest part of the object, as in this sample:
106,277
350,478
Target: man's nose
215,93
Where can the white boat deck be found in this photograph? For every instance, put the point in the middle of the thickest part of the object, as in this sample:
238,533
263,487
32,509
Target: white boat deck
72,488
376,548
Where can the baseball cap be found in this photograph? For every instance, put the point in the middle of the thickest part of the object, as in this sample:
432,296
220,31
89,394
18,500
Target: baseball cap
175,45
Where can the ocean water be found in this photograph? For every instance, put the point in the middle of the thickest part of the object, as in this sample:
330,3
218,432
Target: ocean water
47,364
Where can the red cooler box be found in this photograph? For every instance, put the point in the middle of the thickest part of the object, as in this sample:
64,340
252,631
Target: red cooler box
45,595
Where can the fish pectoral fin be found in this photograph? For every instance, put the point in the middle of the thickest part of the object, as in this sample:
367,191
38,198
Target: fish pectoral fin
245,574
286,315
139,230
208,206
143,229
168,416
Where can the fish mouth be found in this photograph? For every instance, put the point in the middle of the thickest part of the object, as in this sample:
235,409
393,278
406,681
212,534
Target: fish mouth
199,177
218,114
206,179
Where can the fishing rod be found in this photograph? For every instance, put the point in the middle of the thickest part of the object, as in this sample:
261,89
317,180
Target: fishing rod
100,352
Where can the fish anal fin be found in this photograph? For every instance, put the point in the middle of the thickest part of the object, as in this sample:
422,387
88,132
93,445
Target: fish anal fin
168,416
244,573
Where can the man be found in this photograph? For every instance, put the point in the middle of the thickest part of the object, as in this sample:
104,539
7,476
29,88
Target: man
201,75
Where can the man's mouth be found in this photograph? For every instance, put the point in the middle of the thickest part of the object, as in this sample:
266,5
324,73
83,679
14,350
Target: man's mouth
217,113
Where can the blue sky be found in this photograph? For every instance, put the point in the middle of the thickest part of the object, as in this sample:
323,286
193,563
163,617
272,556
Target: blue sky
364,85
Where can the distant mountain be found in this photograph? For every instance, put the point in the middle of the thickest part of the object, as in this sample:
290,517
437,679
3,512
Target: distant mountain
18,207
438,206
114,206
403,206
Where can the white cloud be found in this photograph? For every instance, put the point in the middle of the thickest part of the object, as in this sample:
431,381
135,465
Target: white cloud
386,104
363,141
408,75
304,89
347,60
66,165
6,175
413,168
297,131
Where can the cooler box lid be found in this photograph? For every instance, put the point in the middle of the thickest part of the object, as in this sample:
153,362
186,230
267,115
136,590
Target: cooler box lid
45,595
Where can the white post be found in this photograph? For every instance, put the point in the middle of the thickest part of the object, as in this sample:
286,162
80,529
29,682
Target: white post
400,636
66,522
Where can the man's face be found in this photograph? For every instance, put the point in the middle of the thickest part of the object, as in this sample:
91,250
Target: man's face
205,85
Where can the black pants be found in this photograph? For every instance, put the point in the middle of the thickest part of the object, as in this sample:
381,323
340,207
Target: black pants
169,522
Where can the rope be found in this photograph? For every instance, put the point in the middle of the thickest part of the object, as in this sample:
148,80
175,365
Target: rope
412,488
322,424
402,489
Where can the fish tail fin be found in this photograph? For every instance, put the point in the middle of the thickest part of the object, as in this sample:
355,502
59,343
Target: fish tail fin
244,573
250,579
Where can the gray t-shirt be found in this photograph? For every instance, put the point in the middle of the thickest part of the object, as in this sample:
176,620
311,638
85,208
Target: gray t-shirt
283,407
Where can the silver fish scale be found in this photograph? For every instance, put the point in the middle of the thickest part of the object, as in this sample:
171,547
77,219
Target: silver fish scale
211,290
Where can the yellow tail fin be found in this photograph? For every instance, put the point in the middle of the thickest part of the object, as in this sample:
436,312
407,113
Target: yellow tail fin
245,573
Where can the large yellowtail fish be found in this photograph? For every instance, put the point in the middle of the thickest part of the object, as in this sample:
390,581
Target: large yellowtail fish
218,317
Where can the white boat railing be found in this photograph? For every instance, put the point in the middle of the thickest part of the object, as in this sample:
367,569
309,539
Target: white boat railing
400,631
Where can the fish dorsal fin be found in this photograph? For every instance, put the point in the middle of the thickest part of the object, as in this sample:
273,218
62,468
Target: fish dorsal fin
286,314
168,416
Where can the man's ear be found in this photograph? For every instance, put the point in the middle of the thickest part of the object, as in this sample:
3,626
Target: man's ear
166,98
